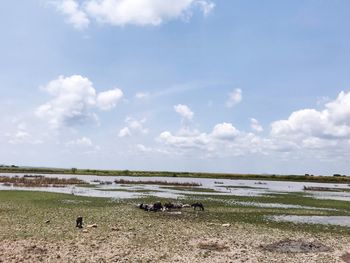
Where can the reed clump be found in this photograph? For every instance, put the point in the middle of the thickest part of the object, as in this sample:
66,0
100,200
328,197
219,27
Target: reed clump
123,181
26,181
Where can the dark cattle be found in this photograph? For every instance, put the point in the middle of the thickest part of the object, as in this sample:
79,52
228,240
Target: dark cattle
157,206
199,205
79,222
173,206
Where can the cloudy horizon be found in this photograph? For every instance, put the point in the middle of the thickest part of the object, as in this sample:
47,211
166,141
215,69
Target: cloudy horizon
188,85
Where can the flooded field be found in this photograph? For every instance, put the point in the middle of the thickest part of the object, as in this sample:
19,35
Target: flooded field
105,186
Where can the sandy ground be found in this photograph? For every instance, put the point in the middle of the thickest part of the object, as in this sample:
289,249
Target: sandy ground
177,241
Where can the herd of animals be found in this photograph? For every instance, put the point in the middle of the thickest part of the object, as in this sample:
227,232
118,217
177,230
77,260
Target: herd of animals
157,206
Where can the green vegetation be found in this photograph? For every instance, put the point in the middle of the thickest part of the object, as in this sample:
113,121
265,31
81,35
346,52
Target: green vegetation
299,178
24,213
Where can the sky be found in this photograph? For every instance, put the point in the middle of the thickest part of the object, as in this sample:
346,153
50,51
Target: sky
179,85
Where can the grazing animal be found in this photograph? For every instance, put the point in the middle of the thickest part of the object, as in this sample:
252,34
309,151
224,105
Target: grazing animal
79,222
199,205
157,206
170,206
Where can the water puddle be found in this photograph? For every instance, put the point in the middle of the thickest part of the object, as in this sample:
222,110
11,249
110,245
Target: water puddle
283,206
323,220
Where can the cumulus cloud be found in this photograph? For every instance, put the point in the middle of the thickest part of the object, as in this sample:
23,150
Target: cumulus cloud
225,131
75,16
333,122
135,12
133,126
184,111
235,97
224,135
321,133
108,99
74,98
224,140
255,125
326,130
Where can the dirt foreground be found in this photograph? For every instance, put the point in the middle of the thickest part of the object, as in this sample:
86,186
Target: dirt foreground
176,241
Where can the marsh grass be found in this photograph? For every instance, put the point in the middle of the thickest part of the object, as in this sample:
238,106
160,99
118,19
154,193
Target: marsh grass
39,181
124,181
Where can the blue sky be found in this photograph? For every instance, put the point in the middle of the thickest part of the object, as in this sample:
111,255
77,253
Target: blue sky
187,85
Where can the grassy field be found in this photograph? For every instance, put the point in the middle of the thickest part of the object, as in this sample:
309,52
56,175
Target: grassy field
128,234
298,178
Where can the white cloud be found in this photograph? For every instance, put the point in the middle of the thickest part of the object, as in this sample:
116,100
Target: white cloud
133,126
124,132
206,6
184,111
184,141
135,12
225,131
75,15
306,132
108,99
235,97
143,12
333,122
255,125
73,102
224,140
311,129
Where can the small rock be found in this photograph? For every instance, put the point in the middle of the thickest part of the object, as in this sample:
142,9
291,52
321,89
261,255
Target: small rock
47,222
226,225
85,231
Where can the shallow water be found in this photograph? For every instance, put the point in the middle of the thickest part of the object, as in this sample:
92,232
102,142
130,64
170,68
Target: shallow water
220,187
323,220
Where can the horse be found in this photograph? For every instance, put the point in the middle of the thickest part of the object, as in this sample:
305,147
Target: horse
199,205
